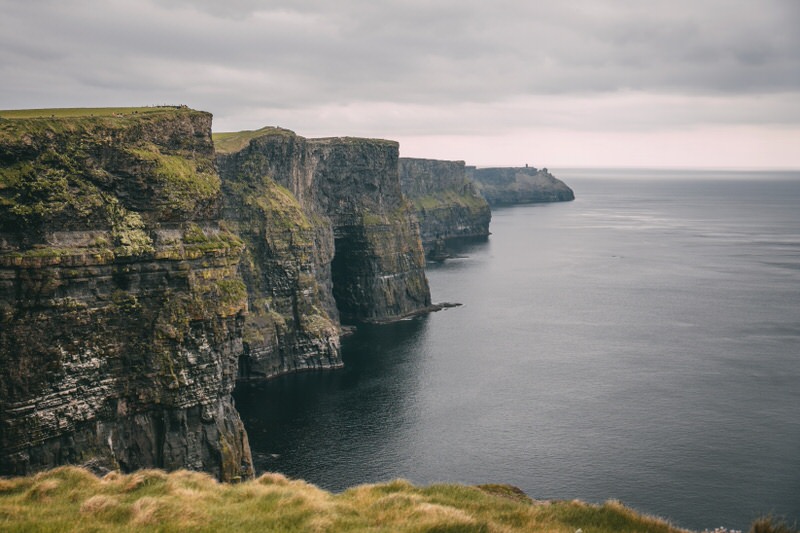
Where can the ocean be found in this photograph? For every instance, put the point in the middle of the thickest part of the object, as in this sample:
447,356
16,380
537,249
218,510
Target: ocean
641,343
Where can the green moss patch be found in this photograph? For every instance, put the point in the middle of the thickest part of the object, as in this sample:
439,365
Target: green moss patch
230,142
184,182
61,169
447,199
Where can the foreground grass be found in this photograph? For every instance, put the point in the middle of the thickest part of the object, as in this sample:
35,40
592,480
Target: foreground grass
72,499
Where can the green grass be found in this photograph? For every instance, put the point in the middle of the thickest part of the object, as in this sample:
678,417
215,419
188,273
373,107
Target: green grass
184,184
58,165
447,199
234,141
71,499
81,112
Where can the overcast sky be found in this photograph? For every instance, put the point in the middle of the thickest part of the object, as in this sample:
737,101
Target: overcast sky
678,83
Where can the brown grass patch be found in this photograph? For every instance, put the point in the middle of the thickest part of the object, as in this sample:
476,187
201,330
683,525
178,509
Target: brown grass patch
144,478
42,490
145,511
99,503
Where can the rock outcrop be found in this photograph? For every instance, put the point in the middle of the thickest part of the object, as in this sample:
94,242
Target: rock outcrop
293,323
445,200
519,185
365,233
121,307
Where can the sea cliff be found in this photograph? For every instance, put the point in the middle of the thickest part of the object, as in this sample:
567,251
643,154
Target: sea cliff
145,267
138,282
519,185
446,202
370,265
121,306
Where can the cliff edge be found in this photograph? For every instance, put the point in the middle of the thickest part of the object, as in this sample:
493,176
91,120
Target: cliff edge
446,202
121,308
368,257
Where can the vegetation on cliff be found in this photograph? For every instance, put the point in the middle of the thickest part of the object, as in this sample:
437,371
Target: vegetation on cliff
234,141
121,306
446,202
72,499
64,168
519,185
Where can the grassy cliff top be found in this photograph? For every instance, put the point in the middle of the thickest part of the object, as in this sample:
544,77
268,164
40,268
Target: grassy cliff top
72,499
79,112
234,141
353,140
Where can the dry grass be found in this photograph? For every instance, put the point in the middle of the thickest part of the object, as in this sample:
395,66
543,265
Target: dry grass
768,524
71,499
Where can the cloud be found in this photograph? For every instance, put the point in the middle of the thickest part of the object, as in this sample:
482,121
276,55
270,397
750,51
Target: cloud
448,66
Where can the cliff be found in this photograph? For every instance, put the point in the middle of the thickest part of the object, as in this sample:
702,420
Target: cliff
293,323
348,191
136,286
445,200
121,308
519,185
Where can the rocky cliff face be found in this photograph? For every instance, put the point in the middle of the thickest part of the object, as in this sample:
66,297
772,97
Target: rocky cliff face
520,185
445,200
136,286
293,321
366,252
121,308
378,269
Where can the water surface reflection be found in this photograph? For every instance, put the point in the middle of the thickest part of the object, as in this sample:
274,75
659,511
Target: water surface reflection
352,416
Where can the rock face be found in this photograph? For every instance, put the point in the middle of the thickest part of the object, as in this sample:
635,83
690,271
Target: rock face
520,185
445,200
366,254
121,308
136,286
293,323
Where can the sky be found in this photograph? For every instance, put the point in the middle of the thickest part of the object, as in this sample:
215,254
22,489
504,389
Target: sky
584,83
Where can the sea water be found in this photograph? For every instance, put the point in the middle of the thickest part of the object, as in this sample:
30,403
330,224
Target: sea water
641,343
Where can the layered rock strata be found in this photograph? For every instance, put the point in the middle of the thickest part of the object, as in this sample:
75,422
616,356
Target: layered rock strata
136,286
121,308
367,255
293,323
519,185
445,200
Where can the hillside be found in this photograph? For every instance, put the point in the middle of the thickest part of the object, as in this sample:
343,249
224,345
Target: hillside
72,499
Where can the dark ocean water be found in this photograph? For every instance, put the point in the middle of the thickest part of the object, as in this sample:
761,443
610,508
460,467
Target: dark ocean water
641,343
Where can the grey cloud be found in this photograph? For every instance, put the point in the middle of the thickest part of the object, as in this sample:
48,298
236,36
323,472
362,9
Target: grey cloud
247,54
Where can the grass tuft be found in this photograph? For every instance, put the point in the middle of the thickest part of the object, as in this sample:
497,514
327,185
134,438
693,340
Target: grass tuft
99,504
769,524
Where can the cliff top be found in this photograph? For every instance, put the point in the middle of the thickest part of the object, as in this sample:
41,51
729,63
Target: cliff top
233,141
81,112
352,140
437,161
16,123
62,169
